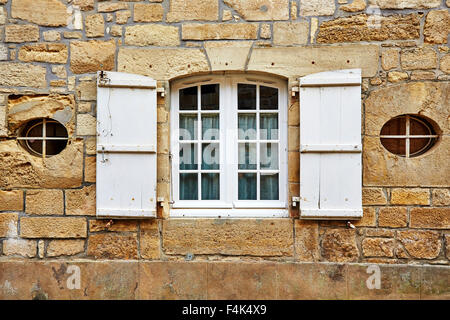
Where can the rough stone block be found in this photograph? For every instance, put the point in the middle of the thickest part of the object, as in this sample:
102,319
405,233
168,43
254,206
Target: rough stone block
219,31
432,218
152,34
394,217
112,246
421,244
11,200
260,10
24,248
91,56
81,202
8,224
144,12
197,10
44,202
49,13
56,248
416,196
55,227
21,33
290,33
378,247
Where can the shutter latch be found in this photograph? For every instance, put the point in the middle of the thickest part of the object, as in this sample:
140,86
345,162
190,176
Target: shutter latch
103,80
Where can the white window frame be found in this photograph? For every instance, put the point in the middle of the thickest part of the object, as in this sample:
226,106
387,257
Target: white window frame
229,206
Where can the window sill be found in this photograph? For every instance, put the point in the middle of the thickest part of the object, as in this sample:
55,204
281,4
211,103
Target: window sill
229,213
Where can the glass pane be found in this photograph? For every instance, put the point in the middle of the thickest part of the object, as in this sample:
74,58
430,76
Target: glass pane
210,156
246,96
268,124
268,186
188,186
55,146
247,186
188,98
210,97
418,128
34,131
210,186
55,129
188,126
188,156
247,126
396,146
268,156
419,145
394,127
210,127
268,98
34,145
247,156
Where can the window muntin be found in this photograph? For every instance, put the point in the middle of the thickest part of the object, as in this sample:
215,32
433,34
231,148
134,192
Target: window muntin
43,137
408,136
238,147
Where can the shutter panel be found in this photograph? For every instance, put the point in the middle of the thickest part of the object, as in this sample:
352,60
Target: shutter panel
126,145
330,145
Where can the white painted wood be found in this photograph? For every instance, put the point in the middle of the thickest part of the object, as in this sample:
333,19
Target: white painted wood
330,139
126,146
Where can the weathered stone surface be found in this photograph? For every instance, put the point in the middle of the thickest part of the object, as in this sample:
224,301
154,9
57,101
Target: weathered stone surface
441,197
378,247
80,202
419,58
91,56
369,218
265,32
435,281
51,35
85,5
123,16
21,33
227,55
219,31
373,196
44,202
152,34
198,10
11,200
144,12
162,64
379,232
8,224
433,218
94,25
111,7
99,225
86,125
24,248
112,246
360,28
295,62
390,59
317,7
3,52
49,13
55,227
421,244
422,75
355,6
260,9
87,91
339,245
447,245
271,237
44,52
445,63
3,15
394,217
58,248
410,196
405,4
90,169
396,76
116,31
437,26
149,240
306,240
290,33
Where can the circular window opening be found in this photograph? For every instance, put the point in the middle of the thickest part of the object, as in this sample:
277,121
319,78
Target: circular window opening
408,136
43,137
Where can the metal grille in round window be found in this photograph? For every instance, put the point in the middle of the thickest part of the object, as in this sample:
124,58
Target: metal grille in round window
408,136
43,137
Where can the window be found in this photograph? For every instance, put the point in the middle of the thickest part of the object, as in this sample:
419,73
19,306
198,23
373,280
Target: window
229,155
408,136
43,137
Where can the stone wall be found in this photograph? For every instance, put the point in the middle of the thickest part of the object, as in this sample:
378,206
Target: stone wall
50,51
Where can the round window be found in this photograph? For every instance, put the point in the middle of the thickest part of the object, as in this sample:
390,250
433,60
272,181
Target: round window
408,136
43,137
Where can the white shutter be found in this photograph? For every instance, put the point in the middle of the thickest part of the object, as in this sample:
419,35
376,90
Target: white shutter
126,145
330,145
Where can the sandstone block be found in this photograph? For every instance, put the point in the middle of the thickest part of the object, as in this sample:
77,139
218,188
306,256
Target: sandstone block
373,196
152,34
227,55
8,224
112,246
49,13
58,248
378,247
85,5
91,56
265,32
81,202
21,33
150,240
123,16
99,225
432,218
219,31
437,26
94,25
421,244
86,125
87,91
405,4
24,248
90,169
394,217
144,12
198,10
390,59
3,52
260,10
369,218
339,245
422,75
44,52
51,35
445,63
317,7
306,240
419,58
55,227
290,33
441,197
111,7
410,196
44,202
355,6
11,200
